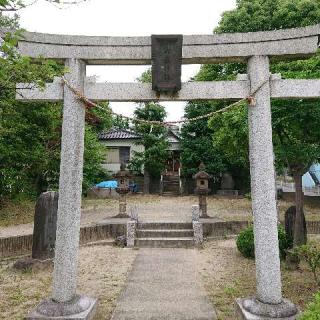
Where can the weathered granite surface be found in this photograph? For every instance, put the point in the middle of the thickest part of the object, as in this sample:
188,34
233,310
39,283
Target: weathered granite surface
45,224
80,308
214,48
197,233
213,90
70,188
252,309
217,38
131,233
195,212
263,185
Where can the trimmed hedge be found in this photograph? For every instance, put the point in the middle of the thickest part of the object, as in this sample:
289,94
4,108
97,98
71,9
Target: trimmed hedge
245,242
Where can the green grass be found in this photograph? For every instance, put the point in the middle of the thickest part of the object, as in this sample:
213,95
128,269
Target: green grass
17,212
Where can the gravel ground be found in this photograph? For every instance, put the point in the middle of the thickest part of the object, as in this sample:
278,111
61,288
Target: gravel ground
103,271
157,208
102,274
227,276
150,208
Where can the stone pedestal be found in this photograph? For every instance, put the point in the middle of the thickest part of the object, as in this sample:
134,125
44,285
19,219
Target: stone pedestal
80,308
252,309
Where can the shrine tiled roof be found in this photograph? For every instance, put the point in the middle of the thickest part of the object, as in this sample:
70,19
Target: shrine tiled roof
115,133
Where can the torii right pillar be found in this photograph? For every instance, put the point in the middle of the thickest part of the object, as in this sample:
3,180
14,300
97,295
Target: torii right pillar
268,302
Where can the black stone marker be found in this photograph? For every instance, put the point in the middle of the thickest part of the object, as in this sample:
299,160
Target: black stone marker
45,224
166,51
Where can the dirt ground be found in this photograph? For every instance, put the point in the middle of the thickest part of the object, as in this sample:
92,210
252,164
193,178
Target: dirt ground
227,275
102,274
17,220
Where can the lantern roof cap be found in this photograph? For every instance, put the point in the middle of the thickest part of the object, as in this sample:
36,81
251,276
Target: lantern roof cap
123,172
202,174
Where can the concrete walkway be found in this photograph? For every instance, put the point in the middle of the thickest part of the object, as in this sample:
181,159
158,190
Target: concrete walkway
164,284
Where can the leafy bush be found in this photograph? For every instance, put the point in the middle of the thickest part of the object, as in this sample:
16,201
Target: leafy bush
245,242
310,253
313,310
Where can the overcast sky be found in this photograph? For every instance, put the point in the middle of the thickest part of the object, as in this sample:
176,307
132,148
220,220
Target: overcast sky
128,18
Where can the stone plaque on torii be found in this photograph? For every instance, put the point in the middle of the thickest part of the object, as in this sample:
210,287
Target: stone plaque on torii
256,49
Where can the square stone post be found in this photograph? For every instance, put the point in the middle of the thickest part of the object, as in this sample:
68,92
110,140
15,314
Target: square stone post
203,205
131,233
65,303
123,204
268,302
195,212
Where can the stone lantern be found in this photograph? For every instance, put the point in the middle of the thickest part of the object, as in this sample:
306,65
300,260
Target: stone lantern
202,189
123,177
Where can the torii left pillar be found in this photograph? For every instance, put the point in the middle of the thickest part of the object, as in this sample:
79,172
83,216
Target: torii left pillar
65,303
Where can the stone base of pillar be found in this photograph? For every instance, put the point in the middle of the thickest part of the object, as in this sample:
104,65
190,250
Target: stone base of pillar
253,309
80,308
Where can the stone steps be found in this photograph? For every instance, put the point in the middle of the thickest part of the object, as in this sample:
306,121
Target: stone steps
181,242
164,225
170,193
169,233
164,235
171,186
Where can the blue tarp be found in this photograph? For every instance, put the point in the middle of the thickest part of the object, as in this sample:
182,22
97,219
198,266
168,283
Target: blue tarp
312,177
108,184
112,184
315,172
307,181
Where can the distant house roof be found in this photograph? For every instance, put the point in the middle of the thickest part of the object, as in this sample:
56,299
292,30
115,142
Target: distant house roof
115,133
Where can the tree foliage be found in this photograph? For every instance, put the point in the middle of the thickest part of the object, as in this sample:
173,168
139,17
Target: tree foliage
296,133
30,133
153,138
296,136
196,142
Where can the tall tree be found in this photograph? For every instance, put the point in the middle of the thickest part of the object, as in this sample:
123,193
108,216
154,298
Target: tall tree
153,138
295,123
30,132
196,142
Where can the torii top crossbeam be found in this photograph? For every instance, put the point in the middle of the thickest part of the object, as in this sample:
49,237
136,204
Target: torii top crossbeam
279,44
216,48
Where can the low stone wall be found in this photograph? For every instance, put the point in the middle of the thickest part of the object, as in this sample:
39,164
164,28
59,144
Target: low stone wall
223,228
310,200
313,227
101,232
21,245
15,246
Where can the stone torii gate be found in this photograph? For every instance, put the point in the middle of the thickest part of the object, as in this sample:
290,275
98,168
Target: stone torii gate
256,49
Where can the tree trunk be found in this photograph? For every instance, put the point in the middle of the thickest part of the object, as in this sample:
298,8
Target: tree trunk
299,227
146,182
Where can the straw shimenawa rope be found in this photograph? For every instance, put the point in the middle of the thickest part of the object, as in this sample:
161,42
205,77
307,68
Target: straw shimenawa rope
90,104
